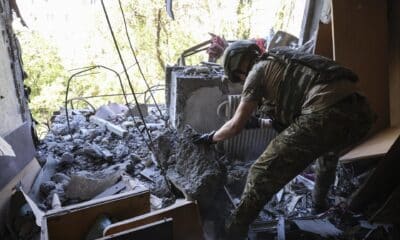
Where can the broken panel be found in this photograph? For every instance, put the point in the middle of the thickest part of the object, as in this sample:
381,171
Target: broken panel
81,217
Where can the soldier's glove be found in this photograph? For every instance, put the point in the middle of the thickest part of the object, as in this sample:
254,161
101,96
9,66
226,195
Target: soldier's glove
255,122
278,126
252,123
206,138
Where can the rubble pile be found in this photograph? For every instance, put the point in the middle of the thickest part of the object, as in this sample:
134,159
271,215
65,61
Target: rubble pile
82,162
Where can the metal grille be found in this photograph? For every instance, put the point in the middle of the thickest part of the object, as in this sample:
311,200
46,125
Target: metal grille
250,143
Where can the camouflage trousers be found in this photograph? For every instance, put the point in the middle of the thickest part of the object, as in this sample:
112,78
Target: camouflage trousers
310,136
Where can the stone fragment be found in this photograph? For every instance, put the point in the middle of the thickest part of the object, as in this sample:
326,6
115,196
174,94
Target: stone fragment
192,168
47,187
85,185
60,178
67,157
91,150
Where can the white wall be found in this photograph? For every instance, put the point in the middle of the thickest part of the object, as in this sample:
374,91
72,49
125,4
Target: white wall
10,114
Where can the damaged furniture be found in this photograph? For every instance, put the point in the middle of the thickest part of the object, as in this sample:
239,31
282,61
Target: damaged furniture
378,197
80,217
186,221
123,216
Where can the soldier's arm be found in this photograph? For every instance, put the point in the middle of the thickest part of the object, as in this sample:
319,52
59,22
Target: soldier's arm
238,121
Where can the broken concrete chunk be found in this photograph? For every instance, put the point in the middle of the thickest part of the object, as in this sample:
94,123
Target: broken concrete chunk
135,110
67,158
110,126
60,178
56,203
85,185
111,111
46,187
104,112
194,169
91,150
59,129
121,151
128,124
155,202
107,154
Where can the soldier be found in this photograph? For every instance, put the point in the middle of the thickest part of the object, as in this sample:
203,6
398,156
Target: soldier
315,106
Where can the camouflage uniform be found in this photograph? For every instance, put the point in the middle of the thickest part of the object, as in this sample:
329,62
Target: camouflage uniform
321,115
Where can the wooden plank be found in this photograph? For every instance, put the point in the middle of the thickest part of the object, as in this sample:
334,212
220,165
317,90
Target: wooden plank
187,225
360,33
160,230
380,184
74,222
377,145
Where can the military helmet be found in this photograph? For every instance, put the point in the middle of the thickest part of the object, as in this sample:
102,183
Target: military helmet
235,53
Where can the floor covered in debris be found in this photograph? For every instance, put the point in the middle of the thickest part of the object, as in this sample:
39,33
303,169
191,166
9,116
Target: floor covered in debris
90,159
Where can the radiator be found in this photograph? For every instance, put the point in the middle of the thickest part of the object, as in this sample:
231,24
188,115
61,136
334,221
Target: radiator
250,143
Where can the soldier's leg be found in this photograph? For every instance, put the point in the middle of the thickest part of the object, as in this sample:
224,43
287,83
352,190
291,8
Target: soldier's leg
285,157
325,176
293,150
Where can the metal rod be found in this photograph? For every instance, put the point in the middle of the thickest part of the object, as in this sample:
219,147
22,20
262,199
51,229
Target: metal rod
66,95
122,89
150,145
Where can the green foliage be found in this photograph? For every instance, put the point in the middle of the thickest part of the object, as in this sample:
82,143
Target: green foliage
41,62
285,15
46,75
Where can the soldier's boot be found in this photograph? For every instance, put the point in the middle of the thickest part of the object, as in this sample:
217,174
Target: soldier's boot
237,225
325,176
272,170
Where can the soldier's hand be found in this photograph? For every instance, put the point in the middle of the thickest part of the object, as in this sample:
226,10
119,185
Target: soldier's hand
206,138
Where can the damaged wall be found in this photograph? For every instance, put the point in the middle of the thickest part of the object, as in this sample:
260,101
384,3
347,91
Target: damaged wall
13,104
394,62
15,125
